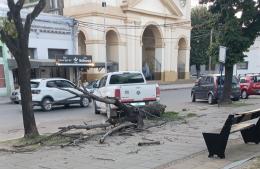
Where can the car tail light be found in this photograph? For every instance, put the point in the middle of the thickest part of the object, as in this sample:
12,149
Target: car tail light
117,93
36,91
157,91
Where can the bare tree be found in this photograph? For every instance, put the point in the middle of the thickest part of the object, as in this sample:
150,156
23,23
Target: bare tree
18,45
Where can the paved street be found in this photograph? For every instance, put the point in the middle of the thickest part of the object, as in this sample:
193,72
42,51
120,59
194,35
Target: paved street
11,117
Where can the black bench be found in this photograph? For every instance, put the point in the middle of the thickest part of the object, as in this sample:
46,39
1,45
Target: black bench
217,142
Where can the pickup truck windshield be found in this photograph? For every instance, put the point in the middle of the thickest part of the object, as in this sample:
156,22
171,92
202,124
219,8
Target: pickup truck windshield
126,78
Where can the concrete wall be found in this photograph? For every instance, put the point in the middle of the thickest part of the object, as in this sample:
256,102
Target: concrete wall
7,73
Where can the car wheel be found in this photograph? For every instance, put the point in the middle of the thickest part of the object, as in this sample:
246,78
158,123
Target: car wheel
244,94
16,102
46,104
236,99
193,98
210,99
96,111
84,102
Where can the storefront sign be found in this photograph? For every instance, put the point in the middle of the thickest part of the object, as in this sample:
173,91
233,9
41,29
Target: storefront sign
74,60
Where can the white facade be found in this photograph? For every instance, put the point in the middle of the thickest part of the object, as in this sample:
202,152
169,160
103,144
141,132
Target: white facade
48,32
52,32
252,60
135,33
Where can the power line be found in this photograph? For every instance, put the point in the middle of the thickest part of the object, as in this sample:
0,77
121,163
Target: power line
101,29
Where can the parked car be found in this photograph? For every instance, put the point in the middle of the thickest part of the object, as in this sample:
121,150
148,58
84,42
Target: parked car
48,92
250,85
90,86
15,96
129,87
210,87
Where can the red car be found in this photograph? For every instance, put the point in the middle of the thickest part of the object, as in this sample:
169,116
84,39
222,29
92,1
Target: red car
250,85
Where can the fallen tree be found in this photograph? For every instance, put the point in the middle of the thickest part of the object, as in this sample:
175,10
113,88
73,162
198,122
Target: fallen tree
129,113
131,120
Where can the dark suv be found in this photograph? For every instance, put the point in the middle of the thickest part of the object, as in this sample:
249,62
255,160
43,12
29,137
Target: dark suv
210,87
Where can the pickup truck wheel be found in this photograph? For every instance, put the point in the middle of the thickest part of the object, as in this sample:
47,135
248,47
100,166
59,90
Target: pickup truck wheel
96,111
84,102
193,98
46,104
210,99
244,94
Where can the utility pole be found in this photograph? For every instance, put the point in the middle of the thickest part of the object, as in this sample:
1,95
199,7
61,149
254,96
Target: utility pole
211,40
104,5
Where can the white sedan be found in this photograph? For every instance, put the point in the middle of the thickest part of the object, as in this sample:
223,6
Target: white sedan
53,91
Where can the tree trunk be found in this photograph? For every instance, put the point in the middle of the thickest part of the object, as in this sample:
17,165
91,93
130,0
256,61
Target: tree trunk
227,85
24,74
198,70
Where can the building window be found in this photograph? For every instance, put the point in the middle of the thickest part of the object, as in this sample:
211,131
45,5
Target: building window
242,66
54,52
2,77
1,51
53,4
31,53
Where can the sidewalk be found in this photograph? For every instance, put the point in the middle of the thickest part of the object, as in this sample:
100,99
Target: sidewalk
179,84
4,100
164,87
238,155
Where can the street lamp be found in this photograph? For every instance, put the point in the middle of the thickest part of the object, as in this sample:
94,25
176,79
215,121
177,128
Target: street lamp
104,5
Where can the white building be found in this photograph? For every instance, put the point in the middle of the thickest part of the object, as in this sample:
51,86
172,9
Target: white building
51,35
252,61
148,35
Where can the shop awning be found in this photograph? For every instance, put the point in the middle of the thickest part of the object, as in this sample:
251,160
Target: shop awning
37,63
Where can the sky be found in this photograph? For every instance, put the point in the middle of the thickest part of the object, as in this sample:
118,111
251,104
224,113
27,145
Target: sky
194,3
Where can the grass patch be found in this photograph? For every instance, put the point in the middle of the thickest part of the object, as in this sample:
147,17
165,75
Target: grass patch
190,115
236,104
34,143
240,104
172,116
175,116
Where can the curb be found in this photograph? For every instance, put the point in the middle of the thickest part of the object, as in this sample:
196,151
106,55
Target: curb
181,88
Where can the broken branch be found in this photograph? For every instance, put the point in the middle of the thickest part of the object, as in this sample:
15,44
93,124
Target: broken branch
149,143
102,139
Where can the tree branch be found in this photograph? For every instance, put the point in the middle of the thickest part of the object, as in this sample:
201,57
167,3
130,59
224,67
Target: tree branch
19,4
14,14
11,5
31,16
9,41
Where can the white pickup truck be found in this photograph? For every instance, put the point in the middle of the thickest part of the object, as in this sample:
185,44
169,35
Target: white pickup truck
129,87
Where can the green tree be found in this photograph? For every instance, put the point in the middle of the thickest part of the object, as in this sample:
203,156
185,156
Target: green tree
14,33
238,33
201,20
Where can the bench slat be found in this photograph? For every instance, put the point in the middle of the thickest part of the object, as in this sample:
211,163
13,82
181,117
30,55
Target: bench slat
248,112
241,126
